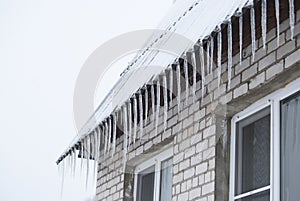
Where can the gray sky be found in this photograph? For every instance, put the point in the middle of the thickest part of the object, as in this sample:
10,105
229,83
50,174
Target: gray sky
43,44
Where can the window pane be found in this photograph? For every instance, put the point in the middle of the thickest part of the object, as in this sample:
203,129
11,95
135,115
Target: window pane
262,196
290,148
145,187
253,152
166,180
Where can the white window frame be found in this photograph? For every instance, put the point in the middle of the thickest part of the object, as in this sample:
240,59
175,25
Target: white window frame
156,162
273,101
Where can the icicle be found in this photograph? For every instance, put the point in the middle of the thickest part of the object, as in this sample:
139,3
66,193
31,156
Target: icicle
186,77
87,159
178,88
241,36
62,177
129,122
264,22
125,136
219,55
109,134
146,104
157,106
211,53
207,57
252,19
135,119
82,153
141,113
194,75
170,83
105,136
292,17
100,131
202,70
71,162
74,161
277,12
153,101
115,133
165,102
94,154
229,34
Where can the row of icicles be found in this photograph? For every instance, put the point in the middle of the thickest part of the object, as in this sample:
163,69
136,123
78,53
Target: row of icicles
104,136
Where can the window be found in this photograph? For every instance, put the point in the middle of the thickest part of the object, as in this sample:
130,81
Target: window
265,148
153,178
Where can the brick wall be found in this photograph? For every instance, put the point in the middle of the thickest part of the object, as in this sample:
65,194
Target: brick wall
199,135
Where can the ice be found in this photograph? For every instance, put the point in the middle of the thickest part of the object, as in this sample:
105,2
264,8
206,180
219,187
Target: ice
74,161
219,59
165,101
146,104
105,137
178,88
211,53
62,169
241,36
157,106
141,113
277,13
264,22
292,17
208,57
130,122
115,132
94,154
82,153
229,34
70,156
135,119
153,101
125,136
194,75
252,23
87,141
170,83
186,77
109,134
202,70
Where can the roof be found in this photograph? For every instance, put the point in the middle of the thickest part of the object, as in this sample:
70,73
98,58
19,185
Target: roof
187,22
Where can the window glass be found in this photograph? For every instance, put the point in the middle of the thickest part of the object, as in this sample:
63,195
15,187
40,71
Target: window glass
290,148
253,153
166,180
145,188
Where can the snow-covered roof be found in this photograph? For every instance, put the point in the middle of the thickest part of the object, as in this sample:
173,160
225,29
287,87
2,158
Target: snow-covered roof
187,22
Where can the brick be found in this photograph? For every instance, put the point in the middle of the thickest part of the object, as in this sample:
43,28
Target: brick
286,49
240,67
209,131
292,59
188,173
272,45
274,70
183,196
199,114
201,146
208,188
178,178
195,160
195,193
209,153
266,61
257,80
249,72
189,152
201,168
184,164
240,91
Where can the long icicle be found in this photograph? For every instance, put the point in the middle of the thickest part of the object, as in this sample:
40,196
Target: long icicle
125,137
292,17
115,134
211,53
109,134
264,22
207,56
146,104
135,119
87,160
94,154
62,178
219,55
141,113
74,161
229,34
202,70
165,101
105,136
71,162
130,138
241,36
194,75
253,32
157,106
82,151
153,101
186,77
178,89
171,83
277,13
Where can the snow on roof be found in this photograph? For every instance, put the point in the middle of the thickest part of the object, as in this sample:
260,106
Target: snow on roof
187,22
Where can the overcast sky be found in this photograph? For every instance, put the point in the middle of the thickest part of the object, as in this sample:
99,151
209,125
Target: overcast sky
43,44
